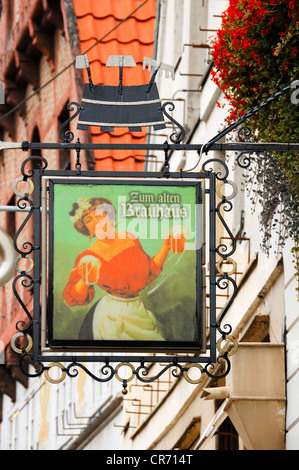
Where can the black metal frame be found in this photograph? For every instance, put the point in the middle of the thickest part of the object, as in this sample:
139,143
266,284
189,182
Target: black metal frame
207,364
181,364
101,345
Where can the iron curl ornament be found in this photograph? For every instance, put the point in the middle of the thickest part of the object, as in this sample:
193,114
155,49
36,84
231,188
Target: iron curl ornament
213,362
176,137
67,136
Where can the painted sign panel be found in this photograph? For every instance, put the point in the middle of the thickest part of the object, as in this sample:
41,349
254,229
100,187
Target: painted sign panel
125,265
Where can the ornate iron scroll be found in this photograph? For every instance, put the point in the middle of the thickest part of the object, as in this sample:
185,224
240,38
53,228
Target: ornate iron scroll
68,135
27,247
214,363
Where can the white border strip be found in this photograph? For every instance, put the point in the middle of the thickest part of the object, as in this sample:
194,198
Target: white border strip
122,124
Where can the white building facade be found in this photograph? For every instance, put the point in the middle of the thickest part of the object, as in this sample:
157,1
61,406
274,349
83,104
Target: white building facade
256,406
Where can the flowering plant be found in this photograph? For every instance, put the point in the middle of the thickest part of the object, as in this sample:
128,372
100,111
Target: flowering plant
255,55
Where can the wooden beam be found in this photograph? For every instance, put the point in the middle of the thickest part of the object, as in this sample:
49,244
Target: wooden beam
53,13
7,383
42,41
14,93
8,122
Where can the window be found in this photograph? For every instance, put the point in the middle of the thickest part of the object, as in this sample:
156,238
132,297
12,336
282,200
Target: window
227,436
11,219
64,154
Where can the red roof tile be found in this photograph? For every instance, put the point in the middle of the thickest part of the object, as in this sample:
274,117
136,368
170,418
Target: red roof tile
103,21
89,28
119,9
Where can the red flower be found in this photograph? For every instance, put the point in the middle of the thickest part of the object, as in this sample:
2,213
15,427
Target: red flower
256,37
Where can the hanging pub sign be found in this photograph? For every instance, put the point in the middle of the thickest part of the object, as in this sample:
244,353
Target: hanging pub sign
117,261
124,264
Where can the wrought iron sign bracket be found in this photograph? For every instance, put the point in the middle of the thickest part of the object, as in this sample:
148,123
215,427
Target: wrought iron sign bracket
31,340
31,329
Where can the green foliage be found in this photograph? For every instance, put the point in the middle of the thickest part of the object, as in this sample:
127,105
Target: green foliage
256,55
